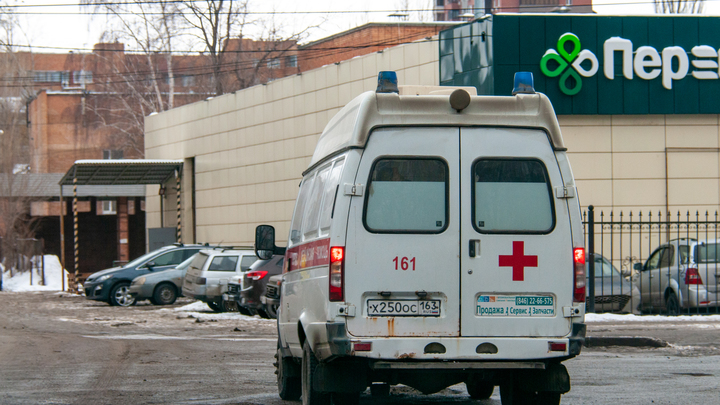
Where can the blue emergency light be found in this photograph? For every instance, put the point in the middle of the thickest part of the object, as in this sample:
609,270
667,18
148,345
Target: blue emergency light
524,83
387,82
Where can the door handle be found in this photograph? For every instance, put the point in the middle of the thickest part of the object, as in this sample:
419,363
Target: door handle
474,247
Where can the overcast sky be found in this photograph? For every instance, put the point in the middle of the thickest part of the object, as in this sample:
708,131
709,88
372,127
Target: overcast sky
79,31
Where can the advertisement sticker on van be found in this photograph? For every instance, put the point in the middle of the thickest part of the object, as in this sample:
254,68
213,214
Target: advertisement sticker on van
515,305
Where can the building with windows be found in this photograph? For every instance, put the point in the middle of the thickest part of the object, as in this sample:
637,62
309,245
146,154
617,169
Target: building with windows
455,10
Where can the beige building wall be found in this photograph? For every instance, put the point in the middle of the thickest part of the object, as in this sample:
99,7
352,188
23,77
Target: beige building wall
250,147
648,163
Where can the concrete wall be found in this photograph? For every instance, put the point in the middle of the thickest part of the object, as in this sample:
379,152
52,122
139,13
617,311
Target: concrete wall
645,162
250,147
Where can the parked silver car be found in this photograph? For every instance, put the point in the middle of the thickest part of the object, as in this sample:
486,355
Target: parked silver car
614,291
161,288
681,274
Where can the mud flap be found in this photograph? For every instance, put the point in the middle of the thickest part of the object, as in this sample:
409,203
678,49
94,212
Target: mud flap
554,378
341,376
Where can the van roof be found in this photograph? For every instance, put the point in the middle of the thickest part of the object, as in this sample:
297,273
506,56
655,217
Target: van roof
350,127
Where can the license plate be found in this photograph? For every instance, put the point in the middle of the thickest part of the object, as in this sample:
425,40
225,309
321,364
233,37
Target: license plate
515,305
403,307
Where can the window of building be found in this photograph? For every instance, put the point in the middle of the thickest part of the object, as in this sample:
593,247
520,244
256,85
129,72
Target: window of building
82,77
273,63
108,207
291,61
188,81
440,3
113,154
50,76
440,16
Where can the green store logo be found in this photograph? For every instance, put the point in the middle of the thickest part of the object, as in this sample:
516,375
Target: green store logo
569,63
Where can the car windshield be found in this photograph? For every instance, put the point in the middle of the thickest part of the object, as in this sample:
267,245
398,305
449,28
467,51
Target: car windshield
603,268
184,265
142,259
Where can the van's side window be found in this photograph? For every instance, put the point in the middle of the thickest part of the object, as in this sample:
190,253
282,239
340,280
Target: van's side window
407,195
295,233
331,188
512,196
312,208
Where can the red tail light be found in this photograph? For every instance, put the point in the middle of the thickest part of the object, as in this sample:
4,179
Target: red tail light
579,265
336,277
256,275
692,276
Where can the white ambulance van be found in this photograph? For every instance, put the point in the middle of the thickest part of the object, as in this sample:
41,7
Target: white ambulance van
436,239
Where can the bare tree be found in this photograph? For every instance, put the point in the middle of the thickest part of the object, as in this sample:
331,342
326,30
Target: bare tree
235,60
16,184
134,86
679,6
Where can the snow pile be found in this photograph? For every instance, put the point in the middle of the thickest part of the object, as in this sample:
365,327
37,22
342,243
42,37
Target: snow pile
21,281
650,318
200,310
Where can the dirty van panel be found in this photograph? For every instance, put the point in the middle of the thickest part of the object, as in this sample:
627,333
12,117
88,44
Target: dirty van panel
401,269
516,265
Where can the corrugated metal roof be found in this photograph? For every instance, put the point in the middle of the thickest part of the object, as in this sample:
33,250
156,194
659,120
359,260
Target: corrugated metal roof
47,186
121,171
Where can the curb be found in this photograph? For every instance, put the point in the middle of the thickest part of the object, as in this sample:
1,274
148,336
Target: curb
628,341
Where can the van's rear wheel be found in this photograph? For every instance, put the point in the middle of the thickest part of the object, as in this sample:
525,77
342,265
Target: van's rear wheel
479,389
288,382
309,395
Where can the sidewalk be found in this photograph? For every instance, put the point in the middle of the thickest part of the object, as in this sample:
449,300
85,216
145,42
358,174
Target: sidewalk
605,330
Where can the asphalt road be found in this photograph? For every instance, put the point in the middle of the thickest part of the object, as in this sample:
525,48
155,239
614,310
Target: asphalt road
62,349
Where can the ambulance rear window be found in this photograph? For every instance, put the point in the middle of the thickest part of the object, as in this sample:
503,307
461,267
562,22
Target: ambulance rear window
512,196
407,195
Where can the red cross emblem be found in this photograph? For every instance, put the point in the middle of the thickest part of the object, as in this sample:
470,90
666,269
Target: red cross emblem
518,261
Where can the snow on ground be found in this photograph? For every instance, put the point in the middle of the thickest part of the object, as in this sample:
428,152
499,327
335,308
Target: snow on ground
200,310
650,318
21,281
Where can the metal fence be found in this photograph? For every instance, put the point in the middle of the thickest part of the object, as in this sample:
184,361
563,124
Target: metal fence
652,263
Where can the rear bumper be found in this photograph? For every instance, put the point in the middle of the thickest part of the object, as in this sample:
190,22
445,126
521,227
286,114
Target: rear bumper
444,350
701,298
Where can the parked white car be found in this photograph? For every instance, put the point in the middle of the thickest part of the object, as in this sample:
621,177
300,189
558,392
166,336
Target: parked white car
436,239
679,276
208,275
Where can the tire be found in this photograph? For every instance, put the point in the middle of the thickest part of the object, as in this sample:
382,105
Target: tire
309,395
672,305
479,390
263,314
119,295
289,385
344,398
215,306
271,311
230,306
164,294
244,310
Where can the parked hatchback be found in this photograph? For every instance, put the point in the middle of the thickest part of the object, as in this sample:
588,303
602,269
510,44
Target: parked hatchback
681,274
207,278
254,283
112,285
160,288
614,291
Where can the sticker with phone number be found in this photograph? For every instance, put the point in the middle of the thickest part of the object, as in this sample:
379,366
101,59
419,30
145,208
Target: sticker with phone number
403,307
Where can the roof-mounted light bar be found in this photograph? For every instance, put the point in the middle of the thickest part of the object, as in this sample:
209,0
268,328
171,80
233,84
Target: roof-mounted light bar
524,83
387,82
